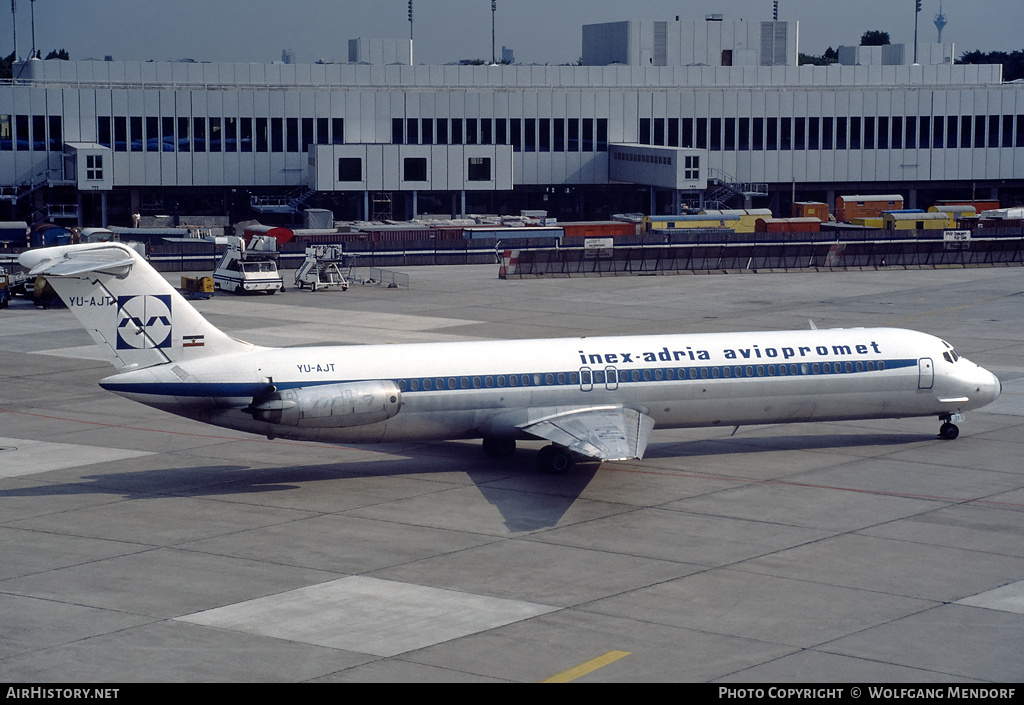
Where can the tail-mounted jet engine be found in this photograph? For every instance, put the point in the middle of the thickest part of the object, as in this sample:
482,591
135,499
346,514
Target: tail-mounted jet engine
328,406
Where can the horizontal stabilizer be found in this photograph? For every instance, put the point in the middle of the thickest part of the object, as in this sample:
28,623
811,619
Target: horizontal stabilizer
604,433
77,262
132,312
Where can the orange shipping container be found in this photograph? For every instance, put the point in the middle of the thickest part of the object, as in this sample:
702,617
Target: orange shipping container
850,207
611,228
787,225
811,209
979,205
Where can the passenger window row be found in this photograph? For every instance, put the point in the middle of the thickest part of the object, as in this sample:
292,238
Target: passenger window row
587,376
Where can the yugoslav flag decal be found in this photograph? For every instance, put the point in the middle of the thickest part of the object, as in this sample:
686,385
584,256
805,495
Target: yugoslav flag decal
144,322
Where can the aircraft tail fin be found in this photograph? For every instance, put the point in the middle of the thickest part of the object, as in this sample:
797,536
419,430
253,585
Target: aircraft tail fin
136,317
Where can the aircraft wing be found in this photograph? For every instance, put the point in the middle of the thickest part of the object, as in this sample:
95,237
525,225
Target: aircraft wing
605,433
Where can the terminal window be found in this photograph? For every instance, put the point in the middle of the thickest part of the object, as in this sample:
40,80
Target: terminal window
135,138
216,134
479,169
415,169
184,144
120,134
350,169
691,170
94,167
56,134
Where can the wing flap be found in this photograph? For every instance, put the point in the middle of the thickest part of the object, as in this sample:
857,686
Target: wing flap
604,433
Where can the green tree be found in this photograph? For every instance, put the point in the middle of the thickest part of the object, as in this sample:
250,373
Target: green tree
7,63
1013,63
874,38
5,66
830,56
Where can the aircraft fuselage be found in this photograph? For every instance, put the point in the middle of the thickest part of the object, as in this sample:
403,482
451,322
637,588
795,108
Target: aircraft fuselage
493,389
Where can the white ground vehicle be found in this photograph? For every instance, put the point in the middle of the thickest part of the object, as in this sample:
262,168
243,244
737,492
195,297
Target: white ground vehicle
243,271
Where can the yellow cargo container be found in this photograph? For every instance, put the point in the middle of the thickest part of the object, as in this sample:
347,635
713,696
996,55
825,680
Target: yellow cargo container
746,219
868,222
918,221
197,287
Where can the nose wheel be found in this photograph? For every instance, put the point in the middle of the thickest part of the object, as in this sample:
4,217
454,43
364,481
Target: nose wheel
949,431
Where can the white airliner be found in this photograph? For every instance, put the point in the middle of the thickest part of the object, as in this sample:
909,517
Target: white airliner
597,398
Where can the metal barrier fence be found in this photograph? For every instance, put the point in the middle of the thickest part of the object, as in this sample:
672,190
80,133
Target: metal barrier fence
647,254
385,277
747,257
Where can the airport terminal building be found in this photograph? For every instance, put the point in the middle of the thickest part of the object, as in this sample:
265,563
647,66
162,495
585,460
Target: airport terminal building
660,114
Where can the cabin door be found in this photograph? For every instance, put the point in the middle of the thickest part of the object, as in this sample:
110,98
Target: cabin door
611,379
925,373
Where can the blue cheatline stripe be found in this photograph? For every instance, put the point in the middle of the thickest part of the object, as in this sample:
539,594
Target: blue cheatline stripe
580,377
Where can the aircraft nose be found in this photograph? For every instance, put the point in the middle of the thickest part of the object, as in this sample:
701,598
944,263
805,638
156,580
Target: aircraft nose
989,387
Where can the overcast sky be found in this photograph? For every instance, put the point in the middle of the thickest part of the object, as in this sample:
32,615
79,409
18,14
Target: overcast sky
539,31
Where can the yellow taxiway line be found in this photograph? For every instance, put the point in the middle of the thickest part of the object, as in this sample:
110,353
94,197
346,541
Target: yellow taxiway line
585,668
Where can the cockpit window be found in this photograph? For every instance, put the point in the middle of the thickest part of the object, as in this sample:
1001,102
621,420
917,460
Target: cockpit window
950,355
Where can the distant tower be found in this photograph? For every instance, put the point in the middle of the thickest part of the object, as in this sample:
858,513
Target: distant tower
940,22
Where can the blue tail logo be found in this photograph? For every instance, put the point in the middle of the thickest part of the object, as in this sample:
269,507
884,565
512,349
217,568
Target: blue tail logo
144,322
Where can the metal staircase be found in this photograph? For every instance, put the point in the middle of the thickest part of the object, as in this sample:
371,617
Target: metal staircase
723,187
41,209
16,192
289,203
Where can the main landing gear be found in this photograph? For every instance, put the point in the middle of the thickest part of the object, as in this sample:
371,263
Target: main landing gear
949,431
554,460
551,460
499,447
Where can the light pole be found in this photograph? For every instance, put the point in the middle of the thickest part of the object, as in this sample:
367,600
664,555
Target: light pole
14,23
410,33
33,6
494,10
917,11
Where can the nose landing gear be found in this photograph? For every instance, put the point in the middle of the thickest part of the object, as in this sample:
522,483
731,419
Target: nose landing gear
949,431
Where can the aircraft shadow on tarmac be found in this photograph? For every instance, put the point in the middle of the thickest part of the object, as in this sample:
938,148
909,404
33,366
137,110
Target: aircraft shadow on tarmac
526,499
790,442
